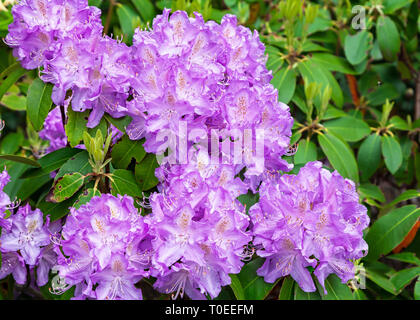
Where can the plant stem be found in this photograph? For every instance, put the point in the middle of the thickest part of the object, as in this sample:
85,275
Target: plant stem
109,16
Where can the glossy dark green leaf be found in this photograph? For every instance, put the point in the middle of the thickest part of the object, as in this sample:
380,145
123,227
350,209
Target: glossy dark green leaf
408,194
388,231
383,92
66,186
407,257
371,191
129,20
12,74
335,289
333,63
77,163
348,128
285,82
20,159
11,143
254,286
299,294
237,287
356,47
403,277
391,150
75,126
38,102
275,60
381,281
145,8
391,6
30,186
306,152
126,150
340,156
286,290
120,123
369,156
388,38
417,289
124,183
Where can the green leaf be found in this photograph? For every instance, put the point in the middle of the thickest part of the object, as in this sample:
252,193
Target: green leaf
145,172
67,186
408,194
125,150
381,281
369,155
359,295
275,60
19,159
340,156
78,163
129,20
286,290
285,82
388,38
399,123
237,287
145,8
391,6
39,102
120,123
13,73
29,187
356,47
75,126
56,210
85,197
383,92
11,143
124,183
254,286
391,150
417,289
407,257
14,102
299,294
335,289
348,128
388,231
333,63
371,191
51,162
306,152
402,278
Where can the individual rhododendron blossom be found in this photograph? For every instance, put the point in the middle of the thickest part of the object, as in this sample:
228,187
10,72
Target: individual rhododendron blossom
200,229
210,76
310,219
105,249
5,203
25,243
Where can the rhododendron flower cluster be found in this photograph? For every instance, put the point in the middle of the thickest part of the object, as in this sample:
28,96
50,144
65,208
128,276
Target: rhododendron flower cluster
212,76
27,241
105,243
200,229
64,39
311,219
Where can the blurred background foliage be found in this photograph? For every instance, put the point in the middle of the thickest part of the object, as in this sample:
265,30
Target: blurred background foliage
349,70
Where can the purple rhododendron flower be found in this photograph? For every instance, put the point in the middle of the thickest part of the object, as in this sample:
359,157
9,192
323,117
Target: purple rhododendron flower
200,229
5,202
212,77
311,219
28,234
104,242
